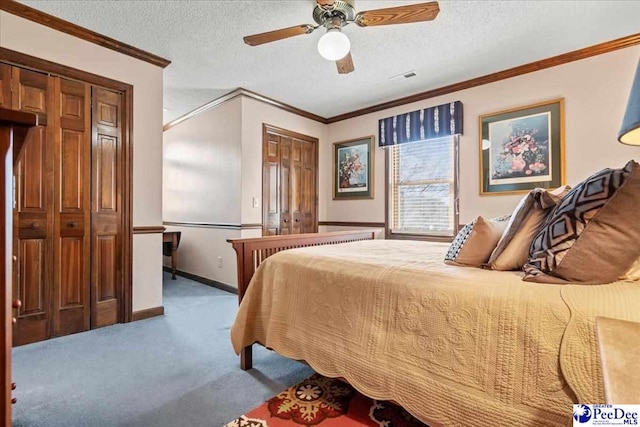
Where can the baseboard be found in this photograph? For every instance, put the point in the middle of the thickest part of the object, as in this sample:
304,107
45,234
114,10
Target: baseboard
204,280
147,313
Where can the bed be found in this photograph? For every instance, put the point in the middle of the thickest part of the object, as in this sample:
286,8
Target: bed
452,345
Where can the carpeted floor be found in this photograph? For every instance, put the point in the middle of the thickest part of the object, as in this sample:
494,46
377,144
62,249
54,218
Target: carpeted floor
175,370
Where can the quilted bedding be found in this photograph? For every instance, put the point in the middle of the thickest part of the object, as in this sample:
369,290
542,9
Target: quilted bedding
454,346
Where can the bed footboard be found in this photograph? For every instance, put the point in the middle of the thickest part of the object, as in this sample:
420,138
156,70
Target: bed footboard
251,252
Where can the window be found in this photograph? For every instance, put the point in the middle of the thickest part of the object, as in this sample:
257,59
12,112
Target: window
423,193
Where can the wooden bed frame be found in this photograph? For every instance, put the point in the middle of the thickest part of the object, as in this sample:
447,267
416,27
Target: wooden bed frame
251,252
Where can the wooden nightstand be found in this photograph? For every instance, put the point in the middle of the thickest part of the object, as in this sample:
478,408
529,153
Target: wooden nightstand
619,345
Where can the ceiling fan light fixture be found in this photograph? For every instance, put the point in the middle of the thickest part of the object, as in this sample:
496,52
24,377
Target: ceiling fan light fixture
334,45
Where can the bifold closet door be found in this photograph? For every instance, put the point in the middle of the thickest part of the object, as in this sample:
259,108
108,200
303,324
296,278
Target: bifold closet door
72,203
68,211
5,86
33,208
106,208
288,184
308,195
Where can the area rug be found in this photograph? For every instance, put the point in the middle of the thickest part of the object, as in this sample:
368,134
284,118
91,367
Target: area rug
326,402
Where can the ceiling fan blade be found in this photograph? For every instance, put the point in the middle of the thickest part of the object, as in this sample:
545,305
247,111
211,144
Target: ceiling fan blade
325,2
345,65
398,15
283,33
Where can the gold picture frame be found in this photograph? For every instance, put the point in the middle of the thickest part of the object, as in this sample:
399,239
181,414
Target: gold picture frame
522,148
353,169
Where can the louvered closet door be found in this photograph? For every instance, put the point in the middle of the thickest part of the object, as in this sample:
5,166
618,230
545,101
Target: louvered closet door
71,297
106,208
33,209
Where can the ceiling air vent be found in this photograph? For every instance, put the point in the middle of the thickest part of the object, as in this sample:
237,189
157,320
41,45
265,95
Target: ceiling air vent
406,75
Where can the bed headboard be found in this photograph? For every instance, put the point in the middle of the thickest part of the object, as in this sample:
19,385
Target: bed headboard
251,252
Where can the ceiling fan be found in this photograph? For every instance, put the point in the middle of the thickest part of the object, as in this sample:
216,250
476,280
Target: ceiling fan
335,14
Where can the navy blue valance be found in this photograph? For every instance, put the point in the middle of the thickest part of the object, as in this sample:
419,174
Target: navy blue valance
435,122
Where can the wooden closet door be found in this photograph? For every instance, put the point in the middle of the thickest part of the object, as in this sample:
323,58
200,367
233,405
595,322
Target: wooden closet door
270,184
308,194
286,181
33,209
72,204
106,208
289,189
296,189
5,85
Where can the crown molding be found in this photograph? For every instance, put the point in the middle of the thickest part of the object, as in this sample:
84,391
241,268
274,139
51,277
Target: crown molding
42,65
206,107
553,61
26,12
283,106
249,94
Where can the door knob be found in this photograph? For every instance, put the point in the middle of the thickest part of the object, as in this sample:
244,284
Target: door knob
16,303
35,225
13,320
13,386
286,220
13,401
297,219
71,224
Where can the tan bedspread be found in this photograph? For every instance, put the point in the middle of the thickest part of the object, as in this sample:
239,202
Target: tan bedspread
455,346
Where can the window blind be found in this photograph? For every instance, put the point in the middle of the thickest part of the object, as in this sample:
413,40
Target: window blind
423,187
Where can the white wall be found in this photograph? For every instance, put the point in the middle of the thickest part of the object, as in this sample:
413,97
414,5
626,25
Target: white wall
201,180
147,261
202,183
200,249
37,40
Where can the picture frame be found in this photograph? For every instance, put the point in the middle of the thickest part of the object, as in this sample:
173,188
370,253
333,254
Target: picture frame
522,148
353,168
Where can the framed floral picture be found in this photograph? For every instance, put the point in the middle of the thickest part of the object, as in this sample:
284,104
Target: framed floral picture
353,169
522,148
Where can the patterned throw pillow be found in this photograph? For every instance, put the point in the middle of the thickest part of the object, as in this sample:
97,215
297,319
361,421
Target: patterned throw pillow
512,250
592,235
475,242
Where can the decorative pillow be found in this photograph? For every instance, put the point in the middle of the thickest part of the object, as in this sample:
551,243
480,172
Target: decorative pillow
633,274
512,251
475,242
592,235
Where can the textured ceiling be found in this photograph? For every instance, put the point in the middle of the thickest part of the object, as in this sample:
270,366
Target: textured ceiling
203,39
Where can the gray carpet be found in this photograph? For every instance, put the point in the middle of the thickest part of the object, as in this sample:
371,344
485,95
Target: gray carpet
174,370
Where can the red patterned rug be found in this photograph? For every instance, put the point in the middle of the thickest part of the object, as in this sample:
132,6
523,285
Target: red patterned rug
327,402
